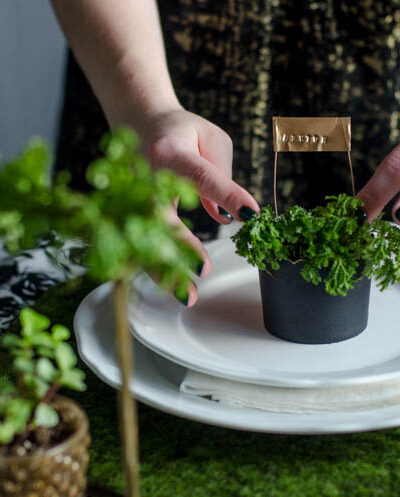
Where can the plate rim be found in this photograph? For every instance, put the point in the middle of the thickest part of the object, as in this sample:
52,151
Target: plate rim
277,379
365,420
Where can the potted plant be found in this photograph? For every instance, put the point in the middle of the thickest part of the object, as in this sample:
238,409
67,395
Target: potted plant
122,221
44,438
315,267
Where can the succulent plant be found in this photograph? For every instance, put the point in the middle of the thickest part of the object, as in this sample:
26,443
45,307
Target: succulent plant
43,362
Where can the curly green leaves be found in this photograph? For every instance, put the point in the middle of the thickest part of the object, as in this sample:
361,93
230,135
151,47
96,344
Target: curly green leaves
327,238
385,253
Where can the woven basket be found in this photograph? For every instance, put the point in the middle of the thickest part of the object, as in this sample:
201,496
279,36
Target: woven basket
56,472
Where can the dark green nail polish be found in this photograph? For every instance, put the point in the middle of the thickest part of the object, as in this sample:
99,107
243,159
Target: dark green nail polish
360,215
397,214
225,213
182,296
246,213
199,268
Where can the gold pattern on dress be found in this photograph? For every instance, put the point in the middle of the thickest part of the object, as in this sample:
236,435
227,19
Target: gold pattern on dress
238,62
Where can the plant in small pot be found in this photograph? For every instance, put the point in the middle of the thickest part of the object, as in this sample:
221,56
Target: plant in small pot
44,438
123,224
315,267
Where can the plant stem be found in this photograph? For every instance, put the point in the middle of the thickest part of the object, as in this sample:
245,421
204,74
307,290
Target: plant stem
127,404
46,399
51,393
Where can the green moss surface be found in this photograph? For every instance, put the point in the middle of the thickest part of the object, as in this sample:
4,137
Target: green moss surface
182,458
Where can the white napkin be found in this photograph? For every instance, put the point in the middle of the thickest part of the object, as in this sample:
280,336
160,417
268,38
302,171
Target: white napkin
291,400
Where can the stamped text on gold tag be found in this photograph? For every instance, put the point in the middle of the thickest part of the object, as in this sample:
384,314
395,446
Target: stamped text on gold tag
311,134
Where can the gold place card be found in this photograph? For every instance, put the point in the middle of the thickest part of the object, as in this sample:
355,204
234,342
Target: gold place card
312,134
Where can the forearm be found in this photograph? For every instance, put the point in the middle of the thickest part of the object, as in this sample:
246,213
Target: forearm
119,45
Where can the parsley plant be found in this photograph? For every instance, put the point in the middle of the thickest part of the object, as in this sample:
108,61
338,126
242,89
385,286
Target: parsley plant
327,236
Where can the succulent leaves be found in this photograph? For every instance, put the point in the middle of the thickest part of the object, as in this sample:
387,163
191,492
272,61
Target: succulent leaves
42,363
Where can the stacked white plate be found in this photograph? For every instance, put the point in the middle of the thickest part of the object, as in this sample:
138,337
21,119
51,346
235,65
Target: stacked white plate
223,337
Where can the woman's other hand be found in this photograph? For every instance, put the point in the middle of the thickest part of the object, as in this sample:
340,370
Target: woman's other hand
383,186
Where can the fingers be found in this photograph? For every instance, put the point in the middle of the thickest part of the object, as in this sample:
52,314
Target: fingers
187,298
383,186
216,212
396,211
216,147
203,268
211,182
214,186
190,298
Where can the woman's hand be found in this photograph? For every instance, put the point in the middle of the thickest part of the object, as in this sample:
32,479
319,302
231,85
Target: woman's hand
383,186
194,147
112,42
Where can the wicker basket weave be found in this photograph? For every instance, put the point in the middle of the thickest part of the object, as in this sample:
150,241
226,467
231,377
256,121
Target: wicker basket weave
56,472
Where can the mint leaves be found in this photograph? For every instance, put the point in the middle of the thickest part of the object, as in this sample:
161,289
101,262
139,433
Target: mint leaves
327,236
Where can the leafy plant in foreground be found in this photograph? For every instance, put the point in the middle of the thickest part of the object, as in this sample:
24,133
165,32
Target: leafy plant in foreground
42,364
123,223
333,246
122,219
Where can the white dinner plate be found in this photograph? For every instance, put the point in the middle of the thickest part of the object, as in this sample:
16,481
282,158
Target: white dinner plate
223,334
156,383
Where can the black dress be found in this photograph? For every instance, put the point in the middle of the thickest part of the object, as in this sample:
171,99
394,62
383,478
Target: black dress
239,62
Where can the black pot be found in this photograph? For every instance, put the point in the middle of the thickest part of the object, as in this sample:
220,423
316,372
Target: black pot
298,311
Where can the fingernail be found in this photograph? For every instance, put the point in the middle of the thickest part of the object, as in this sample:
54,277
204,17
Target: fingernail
182,296
397,214
225,213
199,268
246,213
360,215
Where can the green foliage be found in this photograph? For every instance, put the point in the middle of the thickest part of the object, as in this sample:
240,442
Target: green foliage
122,219
183,458
42,363
327,237
123,224
24,194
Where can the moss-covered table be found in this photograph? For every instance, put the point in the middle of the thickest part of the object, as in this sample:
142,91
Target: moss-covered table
182,458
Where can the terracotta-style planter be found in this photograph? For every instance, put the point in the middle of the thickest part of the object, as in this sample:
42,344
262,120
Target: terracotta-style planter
298,311
56,472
